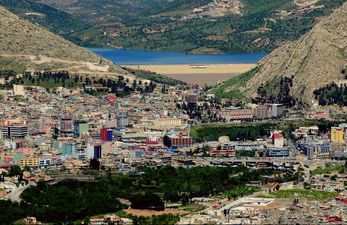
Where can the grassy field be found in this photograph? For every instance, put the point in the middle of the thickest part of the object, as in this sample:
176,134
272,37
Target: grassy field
302,193
192,207
231,87
328,169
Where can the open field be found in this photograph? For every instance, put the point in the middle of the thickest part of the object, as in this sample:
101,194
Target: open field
301,193
210,75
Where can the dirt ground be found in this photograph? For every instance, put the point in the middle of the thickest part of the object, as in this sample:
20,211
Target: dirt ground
211,74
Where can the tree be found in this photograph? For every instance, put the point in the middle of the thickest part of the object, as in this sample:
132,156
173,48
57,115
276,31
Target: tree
94,164
15,170
148,200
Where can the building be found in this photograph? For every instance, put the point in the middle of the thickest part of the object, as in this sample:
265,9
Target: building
177,141
152,140
69,149
17,131
268,111
277,152
167,123
45,160
277,110
106,134
122,120
66,125
316,149
237,114
81,128
229,153
262,112
277,139
225,149
337,135
18,90
94,150
30,161
192,100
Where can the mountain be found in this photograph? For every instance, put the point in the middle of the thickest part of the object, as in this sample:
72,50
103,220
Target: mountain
24,45
110,11
191,25
53,19
298,68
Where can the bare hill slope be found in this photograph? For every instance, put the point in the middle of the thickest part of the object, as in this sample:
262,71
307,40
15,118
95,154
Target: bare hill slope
24,45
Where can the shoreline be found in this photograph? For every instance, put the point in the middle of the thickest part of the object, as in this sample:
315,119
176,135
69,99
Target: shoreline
189,69
209,74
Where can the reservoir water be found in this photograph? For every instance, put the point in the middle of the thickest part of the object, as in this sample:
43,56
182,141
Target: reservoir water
142,57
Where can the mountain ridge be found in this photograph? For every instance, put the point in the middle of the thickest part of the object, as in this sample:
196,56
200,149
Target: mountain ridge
35,48
311,62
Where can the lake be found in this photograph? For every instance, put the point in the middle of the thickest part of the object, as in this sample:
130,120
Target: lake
142,57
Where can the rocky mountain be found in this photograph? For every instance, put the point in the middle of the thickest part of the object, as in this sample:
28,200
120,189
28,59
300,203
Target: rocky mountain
25,46
313,61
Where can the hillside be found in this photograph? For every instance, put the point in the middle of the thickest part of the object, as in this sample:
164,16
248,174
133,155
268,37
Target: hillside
24,45
314,61
191,25
54,20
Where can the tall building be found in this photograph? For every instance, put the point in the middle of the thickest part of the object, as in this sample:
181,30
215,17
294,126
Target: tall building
122,120
106,134
69,149
94,150
81,127
66,125
192,100
337,135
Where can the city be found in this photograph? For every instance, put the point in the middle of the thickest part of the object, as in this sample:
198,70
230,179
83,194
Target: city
68,134
173,112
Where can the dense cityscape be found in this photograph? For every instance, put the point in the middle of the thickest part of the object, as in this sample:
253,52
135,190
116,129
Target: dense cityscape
57,136
173,112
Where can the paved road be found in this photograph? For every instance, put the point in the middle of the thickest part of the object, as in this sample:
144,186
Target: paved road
15,194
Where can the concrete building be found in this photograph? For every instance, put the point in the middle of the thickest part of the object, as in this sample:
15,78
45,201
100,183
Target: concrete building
94,150
337,135
18,90
69,149
122,120
106,134
167,123
177,141
277,139
277,152
81,128
237,114
30,161
66,125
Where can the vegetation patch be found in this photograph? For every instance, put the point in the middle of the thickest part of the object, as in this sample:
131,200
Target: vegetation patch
72,200
252,131
329,169
302,193
193,207
231,87
155,77
332,94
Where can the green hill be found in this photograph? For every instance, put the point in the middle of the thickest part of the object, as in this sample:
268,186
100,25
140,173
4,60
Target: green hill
53,19
262,25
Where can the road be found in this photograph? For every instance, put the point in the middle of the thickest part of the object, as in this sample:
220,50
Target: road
15,194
